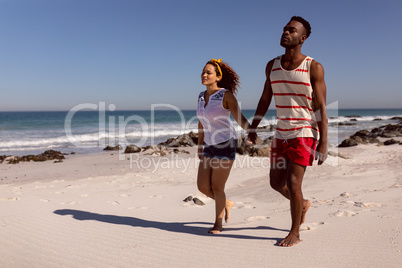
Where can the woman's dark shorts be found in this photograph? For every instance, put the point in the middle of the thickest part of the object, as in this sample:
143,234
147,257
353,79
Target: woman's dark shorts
225,150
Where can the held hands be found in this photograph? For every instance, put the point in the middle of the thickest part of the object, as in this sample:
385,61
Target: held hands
252,137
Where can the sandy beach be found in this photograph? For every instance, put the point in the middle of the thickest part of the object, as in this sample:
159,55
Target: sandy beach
107,210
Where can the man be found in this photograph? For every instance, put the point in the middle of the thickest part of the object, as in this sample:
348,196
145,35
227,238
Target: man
297,83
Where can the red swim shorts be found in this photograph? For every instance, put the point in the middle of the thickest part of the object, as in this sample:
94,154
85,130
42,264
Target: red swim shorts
299,150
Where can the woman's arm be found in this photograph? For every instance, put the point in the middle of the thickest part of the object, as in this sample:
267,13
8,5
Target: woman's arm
200,139
230,102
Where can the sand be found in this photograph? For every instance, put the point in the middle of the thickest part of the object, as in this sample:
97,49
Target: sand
98,211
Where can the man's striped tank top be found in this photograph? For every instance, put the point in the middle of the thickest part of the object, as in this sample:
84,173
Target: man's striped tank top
294,102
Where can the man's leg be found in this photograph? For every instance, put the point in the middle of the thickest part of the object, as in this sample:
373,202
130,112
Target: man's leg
294,179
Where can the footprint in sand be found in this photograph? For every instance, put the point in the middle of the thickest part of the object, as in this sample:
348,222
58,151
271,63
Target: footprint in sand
325,201
156,196
44,200
311,226
125,195
396,185
345,213
257,218
143,208
59,192
10,199
367,204
84,195
345,194
241,205
113,202
69,203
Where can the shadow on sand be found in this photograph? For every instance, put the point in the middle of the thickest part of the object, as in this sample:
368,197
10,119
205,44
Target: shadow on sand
177,227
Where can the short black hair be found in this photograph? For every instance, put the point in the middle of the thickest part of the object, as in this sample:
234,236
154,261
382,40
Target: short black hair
305,23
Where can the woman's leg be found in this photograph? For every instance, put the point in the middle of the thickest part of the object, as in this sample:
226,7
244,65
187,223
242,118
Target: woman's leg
219,176
204,177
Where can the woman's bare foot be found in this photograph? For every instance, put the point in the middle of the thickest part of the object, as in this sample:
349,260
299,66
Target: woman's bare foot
306,206
289,241
215,230
228,207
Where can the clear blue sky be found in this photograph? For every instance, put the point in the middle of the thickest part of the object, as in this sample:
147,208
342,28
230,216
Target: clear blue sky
56,54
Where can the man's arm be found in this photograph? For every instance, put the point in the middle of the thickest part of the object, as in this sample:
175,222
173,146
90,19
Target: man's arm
263,104
320,99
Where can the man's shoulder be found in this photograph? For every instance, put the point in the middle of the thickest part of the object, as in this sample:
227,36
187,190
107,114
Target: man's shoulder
271,63
315,65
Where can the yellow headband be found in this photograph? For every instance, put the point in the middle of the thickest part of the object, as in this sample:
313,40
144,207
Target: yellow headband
217,65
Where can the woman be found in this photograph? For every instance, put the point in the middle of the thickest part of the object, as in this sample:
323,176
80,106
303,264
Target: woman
216,135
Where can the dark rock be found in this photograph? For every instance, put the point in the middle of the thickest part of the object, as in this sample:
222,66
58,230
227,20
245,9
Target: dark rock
3,157
353,120
364,136
185,140
348,143
352,116
392,134
150,147
362,133
50,155
396,118
13,159
390,142
374,140
198,201
341,124
188,198
159,150
47,155
377,119
130,149
376,130
113,148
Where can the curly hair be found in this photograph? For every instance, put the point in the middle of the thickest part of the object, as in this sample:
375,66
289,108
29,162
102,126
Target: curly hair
230,79
305,23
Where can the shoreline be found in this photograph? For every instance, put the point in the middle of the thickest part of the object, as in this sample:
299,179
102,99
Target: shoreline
23,137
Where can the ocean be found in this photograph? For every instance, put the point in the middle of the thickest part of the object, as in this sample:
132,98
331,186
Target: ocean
85,132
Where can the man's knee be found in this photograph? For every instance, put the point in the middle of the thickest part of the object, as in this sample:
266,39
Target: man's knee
276,182
294,184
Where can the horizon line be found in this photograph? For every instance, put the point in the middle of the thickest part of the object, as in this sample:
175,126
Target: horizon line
146,110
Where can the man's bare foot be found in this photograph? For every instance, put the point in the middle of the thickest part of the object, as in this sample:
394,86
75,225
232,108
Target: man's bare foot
228,208
289,241
306,206
215,230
